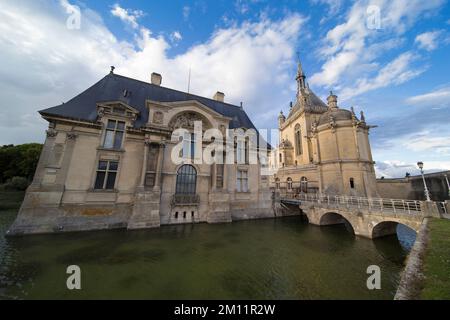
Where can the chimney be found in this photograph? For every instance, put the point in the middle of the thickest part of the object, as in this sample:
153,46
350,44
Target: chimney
219,96
156,79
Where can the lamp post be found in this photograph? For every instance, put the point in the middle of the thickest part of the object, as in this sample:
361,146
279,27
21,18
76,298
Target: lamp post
448,184
427,193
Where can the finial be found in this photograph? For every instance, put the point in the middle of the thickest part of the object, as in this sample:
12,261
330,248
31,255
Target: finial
112,69
290,104
353,110
363,118
331,92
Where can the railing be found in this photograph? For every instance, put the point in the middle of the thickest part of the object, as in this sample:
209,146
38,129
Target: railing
372,204
185,200
442,207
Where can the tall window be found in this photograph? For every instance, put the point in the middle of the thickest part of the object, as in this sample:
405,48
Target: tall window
114,134
241,152
242,181
186,180
188,151
304,184
289,183
277,183
106,175
298,140
152,161
352,183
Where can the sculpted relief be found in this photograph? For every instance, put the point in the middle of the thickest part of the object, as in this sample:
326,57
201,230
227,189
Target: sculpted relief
185,120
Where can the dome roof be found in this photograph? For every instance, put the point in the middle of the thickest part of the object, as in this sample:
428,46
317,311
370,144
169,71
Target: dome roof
337,114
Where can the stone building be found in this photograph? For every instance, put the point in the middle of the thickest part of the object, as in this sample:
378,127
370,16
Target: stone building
107,162
323,148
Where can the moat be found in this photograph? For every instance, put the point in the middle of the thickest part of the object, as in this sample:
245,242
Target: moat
264,259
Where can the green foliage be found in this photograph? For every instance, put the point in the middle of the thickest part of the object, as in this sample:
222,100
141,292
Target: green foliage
437,261
18,161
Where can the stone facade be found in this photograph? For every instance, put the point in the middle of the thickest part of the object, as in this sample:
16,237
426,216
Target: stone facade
323,148
109,172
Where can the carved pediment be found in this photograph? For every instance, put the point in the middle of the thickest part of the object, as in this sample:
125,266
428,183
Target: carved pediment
117,108
186,120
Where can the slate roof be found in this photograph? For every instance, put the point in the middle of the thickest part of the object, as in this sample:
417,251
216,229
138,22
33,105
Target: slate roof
111,88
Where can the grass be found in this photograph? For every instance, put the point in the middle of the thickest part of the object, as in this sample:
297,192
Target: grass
437,261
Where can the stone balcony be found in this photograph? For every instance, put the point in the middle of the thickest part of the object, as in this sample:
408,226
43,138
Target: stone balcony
185,200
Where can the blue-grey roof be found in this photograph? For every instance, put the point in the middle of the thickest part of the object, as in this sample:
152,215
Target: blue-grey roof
111,88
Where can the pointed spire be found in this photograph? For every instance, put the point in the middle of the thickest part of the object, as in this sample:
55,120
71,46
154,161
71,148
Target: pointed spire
301,78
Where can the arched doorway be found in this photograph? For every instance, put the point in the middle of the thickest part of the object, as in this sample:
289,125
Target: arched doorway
186,180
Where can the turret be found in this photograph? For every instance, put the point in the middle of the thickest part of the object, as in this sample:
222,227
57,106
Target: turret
281,119
332,101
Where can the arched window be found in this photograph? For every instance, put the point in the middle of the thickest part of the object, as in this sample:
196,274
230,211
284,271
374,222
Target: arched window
298,140
289,183
304,184
186,180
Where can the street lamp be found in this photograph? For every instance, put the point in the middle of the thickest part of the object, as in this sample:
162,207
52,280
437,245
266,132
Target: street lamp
427,193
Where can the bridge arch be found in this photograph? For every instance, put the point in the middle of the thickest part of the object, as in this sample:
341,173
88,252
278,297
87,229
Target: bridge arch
389,227
332,218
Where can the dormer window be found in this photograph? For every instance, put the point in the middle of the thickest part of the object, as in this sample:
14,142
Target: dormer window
114,134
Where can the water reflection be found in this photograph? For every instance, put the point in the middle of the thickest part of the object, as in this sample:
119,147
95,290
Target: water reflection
262,259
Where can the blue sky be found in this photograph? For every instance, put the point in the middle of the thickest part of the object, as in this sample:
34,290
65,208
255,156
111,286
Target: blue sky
388,58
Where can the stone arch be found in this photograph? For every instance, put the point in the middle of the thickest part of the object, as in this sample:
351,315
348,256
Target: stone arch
333,218
388,227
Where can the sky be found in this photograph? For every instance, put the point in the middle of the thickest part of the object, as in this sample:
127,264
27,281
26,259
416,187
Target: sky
389,58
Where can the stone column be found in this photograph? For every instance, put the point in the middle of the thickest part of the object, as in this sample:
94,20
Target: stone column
159,167
67,157
214,177
44,157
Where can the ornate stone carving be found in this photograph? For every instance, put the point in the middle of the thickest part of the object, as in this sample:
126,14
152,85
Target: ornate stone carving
314,127
185,120
332,124
101,112
158,117
71,136
285,144
51,133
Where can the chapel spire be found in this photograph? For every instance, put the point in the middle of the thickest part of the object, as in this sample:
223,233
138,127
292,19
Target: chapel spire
301,78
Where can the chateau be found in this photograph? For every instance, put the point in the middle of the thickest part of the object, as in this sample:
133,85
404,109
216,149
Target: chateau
107,162
108,158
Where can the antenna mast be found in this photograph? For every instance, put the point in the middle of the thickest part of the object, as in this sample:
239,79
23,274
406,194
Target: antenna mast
189,81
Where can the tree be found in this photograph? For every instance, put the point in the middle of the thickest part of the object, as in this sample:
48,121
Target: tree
19,161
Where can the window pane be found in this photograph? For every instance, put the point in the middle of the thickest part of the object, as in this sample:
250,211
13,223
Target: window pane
118,140
113,166
111,124
121,125
109,139
99,180
102,165
110,180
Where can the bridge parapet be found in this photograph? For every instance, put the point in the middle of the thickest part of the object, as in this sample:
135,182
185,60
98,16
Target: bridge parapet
369,205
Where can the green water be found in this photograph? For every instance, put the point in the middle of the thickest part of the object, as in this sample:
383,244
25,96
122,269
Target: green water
265,259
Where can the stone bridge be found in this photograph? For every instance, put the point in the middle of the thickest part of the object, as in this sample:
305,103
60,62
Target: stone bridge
369,217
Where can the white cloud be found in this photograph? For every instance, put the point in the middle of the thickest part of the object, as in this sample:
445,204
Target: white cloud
398,169
437,98
48,63
127,15
186,12
352,49
428,40
176,36
395,72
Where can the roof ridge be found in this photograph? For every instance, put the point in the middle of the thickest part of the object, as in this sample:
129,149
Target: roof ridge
166,88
